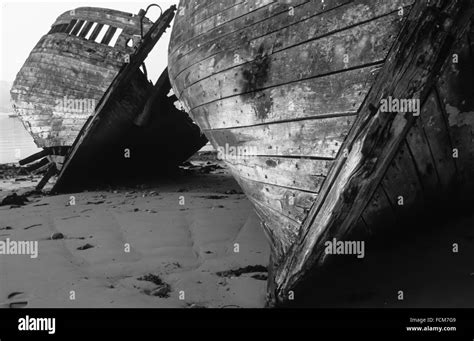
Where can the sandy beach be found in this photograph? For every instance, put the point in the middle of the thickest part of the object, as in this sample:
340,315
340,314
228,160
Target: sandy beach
173,244
194,241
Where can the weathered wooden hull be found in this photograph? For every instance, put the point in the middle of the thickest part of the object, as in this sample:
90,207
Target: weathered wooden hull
132,129
69,70
300,84
136,130
114,147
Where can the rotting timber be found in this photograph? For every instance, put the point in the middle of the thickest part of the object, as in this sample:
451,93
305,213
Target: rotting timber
97,55
301,84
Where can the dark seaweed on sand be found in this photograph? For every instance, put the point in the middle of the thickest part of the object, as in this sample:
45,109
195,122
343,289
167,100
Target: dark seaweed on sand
239,272
163,289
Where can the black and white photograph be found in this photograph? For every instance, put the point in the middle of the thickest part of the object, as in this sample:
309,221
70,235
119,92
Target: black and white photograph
237,160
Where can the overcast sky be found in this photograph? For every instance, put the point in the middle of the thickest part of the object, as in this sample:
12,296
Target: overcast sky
22,24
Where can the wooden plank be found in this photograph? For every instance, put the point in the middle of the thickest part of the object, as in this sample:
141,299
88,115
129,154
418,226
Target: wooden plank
61,122
109,35
21,90
34,67
102,56
87,27
52,98
52,170
63,73
182,33
61,28
88,48
50,61
287,138
70,26
428,36
343,93
439,141
40,166
422,156
292,203
210,41
282,230
52,123
301,62
27,82
34,157
213,23
231,52
40,88
96,32
303,174
195,11
77,27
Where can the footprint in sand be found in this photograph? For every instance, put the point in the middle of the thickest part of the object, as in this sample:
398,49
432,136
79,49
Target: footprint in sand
16,300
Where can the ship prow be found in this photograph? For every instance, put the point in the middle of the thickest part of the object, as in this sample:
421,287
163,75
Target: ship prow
84,96
350,116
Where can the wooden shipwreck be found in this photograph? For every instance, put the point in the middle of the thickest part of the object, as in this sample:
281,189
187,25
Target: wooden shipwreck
351,115
84,96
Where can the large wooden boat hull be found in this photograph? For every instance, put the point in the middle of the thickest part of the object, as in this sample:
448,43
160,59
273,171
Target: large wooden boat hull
299,86
135,130
70,69
114,146
132,129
